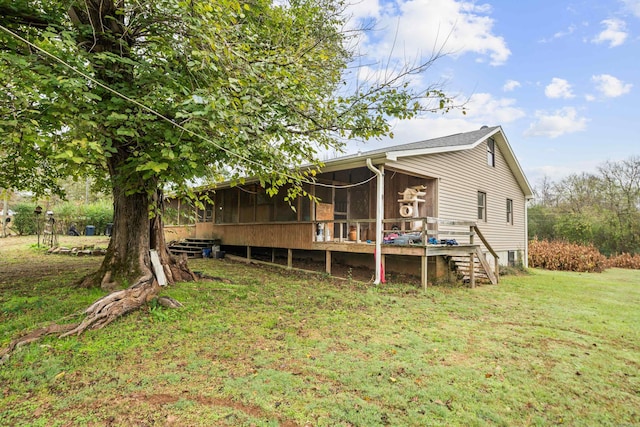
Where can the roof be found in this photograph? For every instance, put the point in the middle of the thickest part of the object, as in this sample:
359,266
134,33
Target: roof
442,144
450,143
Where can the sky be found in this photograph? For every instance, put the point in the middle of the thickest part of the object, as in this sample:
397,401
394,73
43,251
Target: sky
562,78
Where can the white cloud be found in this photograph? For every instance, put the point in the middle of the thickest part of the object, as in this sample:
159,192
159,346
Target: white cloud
633,6
363,9
615,32
511,85
558,88
483,108
560,34
610,86
553,125
589,97
556,173
407,28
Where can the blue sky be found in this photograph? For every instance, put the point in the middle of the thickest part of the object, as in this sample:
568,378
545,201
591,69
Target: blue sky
561,77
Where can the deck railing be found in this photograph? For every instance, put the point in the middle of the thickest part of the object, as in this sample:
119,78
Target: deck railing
421,228
352,229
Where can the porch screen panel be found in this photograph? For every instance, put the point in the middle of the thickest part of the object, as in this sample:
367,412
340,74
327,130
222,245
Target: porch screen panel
248,204
359,206
283,211
305,204
230,207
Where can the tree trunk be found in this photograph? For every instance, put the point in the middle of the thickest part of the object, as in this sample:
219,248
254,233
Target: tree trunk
127,263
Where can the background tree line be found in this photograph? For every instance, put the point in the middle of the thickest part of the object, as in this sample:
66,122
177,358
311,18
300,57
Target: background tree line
601,208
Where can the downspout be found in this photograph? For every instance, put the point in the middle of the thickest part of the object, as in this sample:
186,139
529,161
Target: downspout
525,262
379,214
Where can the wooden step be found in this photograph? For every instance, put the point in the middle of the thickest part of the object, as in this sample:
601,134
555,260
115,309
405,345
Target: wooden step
193,246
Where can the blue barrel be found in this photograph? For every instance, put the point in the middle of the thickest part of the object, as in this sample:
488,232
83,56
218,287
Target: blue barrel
206,253
90,230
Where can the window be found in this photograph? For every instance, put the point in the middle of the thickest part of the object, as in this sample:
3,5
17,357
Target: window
511,258
482,205
509,211
491,152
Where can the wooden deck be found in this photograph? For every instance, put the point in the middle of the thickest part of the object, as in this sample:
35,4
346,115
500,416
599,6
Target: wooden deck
348,236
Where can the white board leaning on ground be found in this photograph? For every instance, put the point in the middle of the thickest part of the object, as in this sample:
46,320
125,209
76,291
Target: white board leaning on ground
157,268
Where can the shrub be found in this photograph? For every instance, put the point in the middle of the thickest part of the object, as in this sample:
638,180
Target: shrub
565,256
97,214
625,260
24,220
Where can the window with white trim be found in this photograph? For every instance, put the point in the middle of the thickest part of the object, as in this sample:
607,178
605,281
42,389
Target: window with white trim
509,211
482,206
491,152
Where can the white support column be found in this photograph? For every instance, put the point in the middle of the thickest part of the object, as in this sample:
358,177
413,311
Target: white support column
379,214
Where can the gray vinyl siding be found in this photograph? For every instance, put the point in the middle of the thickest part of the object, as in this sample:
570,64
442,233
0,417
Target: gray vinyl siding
461,175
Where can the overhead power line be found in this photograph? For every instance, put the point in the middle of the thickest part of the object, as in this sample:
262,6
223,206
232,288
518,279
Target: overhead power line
163,117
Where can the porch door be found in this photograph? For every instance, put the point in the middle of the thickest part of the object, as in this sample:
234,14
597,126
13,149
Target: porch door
340,211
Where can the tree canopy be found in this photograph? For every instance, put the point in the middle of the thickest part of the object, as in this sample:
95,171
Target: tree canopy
601,208
157,93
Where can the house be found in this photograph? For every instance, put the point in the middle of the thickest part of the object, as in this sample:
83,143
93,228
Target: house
457,203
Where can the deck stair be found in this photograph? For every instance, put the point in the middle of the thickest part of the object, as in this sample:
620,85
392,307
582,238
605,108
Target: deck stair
192,247
481,270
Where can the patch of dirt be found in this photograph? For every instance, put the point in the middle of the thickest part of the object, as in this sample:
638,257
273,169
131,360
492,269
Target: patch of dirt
250,410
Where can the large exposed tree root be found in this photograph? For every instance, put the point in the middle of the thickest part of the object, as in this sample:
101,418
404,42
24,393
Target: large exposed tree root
106,309
116,304
31,337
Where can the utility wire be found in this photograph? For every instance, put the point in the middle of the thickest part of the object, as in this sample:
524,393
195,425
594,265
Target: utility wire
161,116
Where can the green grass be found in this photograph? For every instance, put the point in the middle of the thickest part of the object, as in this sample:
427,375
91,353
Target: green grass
268,348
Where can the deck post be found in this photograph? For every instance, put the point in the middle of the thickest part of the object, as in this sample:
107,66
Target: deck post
289,258
327,266
496,269
472,271
273,255
425,268
248,252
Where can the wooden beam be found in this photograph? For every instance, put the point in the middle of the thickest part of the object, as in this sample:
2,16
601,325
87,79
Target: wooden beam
327,267
472,272
248,252
289,258
424,267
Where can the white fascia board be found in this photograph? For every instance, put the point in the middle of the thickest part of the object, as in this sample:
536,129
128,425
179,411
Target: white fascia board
513,163
395,155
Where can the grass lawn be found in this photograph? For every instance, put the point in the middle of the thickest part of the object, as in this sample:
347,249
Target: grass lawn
263,347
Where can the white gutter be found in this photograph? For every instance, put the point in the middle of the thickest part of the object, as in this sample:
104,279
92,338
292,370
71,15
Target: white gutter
525,262
379,213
